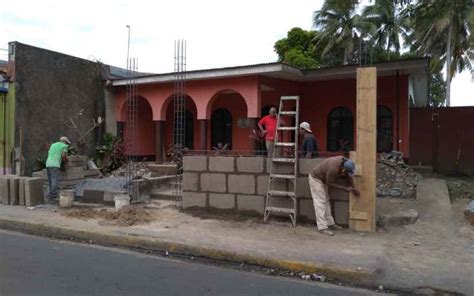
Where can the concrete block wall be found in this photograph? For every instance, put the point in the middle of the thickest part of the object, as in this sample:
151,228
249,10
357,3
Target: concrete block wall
240,184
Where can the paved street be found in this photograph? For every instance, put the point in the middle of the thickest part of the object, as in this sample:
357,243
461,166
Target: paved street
37,266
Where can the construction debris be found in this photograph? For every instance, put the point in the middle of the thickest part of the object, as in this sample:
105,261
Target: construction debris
126,216
394,177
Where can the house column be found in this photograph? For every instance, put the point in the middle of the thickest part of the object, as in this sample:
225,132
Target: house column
203,124
159,132
253,126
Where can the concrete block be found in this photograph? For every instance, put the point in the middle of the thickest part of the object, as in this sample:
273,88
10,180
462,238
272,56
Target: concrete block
251,203
5,189
190,181
306,208
34,194
109,196
302,187
195,163
73,173
281,168
221,164
250,164
262,184
281,202
213,182
21,192
400,218
14,191
93,196
341,212
222,201
163,169
338,194
306,165
244,184
194,199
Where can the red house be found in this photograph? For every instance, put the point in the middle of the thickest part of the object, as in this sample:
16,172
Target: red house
223,105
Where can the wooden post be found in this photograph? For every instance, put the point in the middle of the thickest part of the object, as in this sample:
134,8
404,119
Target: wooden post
362,216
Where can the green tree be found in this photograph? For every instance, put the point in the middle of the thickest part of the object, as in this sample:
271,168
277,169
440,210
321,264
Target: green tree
443,30
297,49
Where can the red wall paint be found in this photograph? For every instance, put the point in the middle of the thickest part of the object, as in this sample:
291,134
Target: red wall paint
455,132
144,138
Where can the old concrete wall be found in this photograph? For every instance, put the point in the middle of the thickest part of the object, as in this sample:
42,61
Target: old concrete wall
240,184
52,87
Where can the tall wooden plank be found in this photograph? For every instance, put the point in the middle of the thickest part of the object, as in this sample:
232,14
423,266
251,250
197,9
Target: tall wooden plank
362,216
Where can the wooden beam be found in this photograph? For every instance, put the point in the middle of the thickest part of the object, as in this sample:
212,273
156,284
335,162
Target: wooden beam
362,216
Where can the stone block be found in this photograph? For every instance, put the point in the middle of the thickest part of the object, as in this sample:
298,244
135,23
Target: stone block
93,196
221,164
302,188
194,199
251,203
262,185
14,191
195,163
21,192
213,182
243,184
306,209
341,212
306,165
5,189
190,181
250,164
222,201
34,194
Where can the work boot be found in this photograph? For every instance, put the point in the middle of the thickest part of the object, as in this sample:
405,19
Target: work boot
335,227
326,232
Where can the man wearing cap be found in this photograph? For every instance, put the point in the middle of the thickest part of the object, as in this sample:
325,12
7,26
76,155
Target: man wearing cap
322,176
309,146
56,153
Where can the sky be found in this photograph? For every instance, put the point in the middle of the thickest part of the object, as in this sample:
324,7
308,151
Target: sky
218,33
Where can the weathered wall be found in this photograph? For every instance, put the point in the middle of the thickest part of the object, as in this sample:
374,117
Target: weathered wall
240,184
455,138
50,88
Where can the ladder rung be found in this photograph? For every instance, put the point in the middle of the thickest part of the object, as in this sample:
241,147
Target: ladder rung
287,113
285,144
292,160
280,210
281,193
280,176
287,128
287,98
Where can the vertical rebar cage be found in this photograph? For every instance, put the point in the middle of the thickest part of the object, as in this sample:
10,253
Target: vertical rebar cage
179,129
131,126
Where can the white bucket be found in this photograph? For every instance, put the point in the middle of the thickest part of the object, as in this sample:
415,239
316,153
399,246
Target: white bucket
121,201
66,197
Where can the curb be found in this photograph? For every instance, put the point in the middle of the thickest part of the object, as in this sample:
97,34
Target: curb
341,273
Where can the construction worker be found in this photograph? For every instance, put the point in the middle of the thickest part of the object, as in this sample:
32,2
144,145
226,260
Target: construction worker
268,125
57,152
309,146
322,176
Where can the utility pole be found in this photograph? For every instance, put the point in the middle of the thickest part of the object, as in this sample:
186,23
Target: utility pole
128,44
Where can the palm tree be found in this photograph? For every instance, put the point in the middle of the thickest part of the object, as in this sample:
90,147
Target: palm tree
339,26
385,16
443,29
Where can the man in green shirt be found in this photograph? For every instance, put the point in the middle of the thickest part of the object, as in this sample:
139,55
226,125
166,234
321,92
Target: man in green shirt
56,153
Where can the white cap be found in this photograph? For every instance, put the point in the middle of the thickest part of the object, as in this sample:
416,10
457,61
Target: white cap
65,140
304,125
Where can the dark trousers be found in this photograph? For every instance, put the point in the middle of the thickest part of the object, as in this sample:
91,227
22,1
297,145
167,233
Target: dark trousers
53,177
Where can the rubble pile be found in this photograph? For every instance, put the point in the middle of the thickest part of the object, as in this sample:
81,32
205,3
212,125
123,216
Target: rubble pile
394,177
140,171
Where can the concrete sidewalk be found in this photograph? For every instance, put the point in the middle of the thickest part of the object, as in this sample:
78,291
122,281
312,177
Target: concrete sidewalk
399,259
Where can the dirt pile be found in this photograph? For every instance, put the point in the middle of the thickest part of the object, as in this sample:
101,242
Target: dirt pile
394,177
127,216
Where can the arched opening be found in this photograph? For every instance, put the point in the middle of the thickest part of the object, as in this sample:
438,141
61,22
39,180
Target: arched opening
384,129
142,142
229,123
190,117
221,128
340,135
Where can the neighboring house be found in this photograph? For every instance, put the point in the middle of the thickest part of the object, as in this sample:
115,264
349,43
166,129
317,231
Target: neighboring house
223,105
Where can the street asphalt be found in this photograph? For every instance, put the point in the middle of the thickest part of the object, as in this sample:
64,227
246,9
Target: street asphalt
32,265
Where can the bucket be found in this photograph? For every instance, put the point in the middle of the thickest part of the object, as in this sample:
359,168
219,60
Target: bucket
66,197
121,201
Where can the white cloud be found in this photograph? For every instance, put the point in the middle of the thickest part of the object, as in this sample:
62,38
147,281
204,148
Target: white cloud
218,33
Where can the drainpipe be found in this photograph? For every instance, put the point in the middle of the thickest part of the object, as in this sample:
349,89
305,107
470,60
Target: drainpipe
3,91
398,109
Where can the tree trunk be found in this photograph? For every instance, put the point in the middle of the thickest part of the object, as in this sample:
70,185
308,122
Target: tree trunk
448,66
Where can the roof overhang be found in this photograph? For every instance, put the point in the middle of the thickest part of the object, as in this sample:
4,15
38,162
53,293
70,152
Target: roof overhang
283,71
